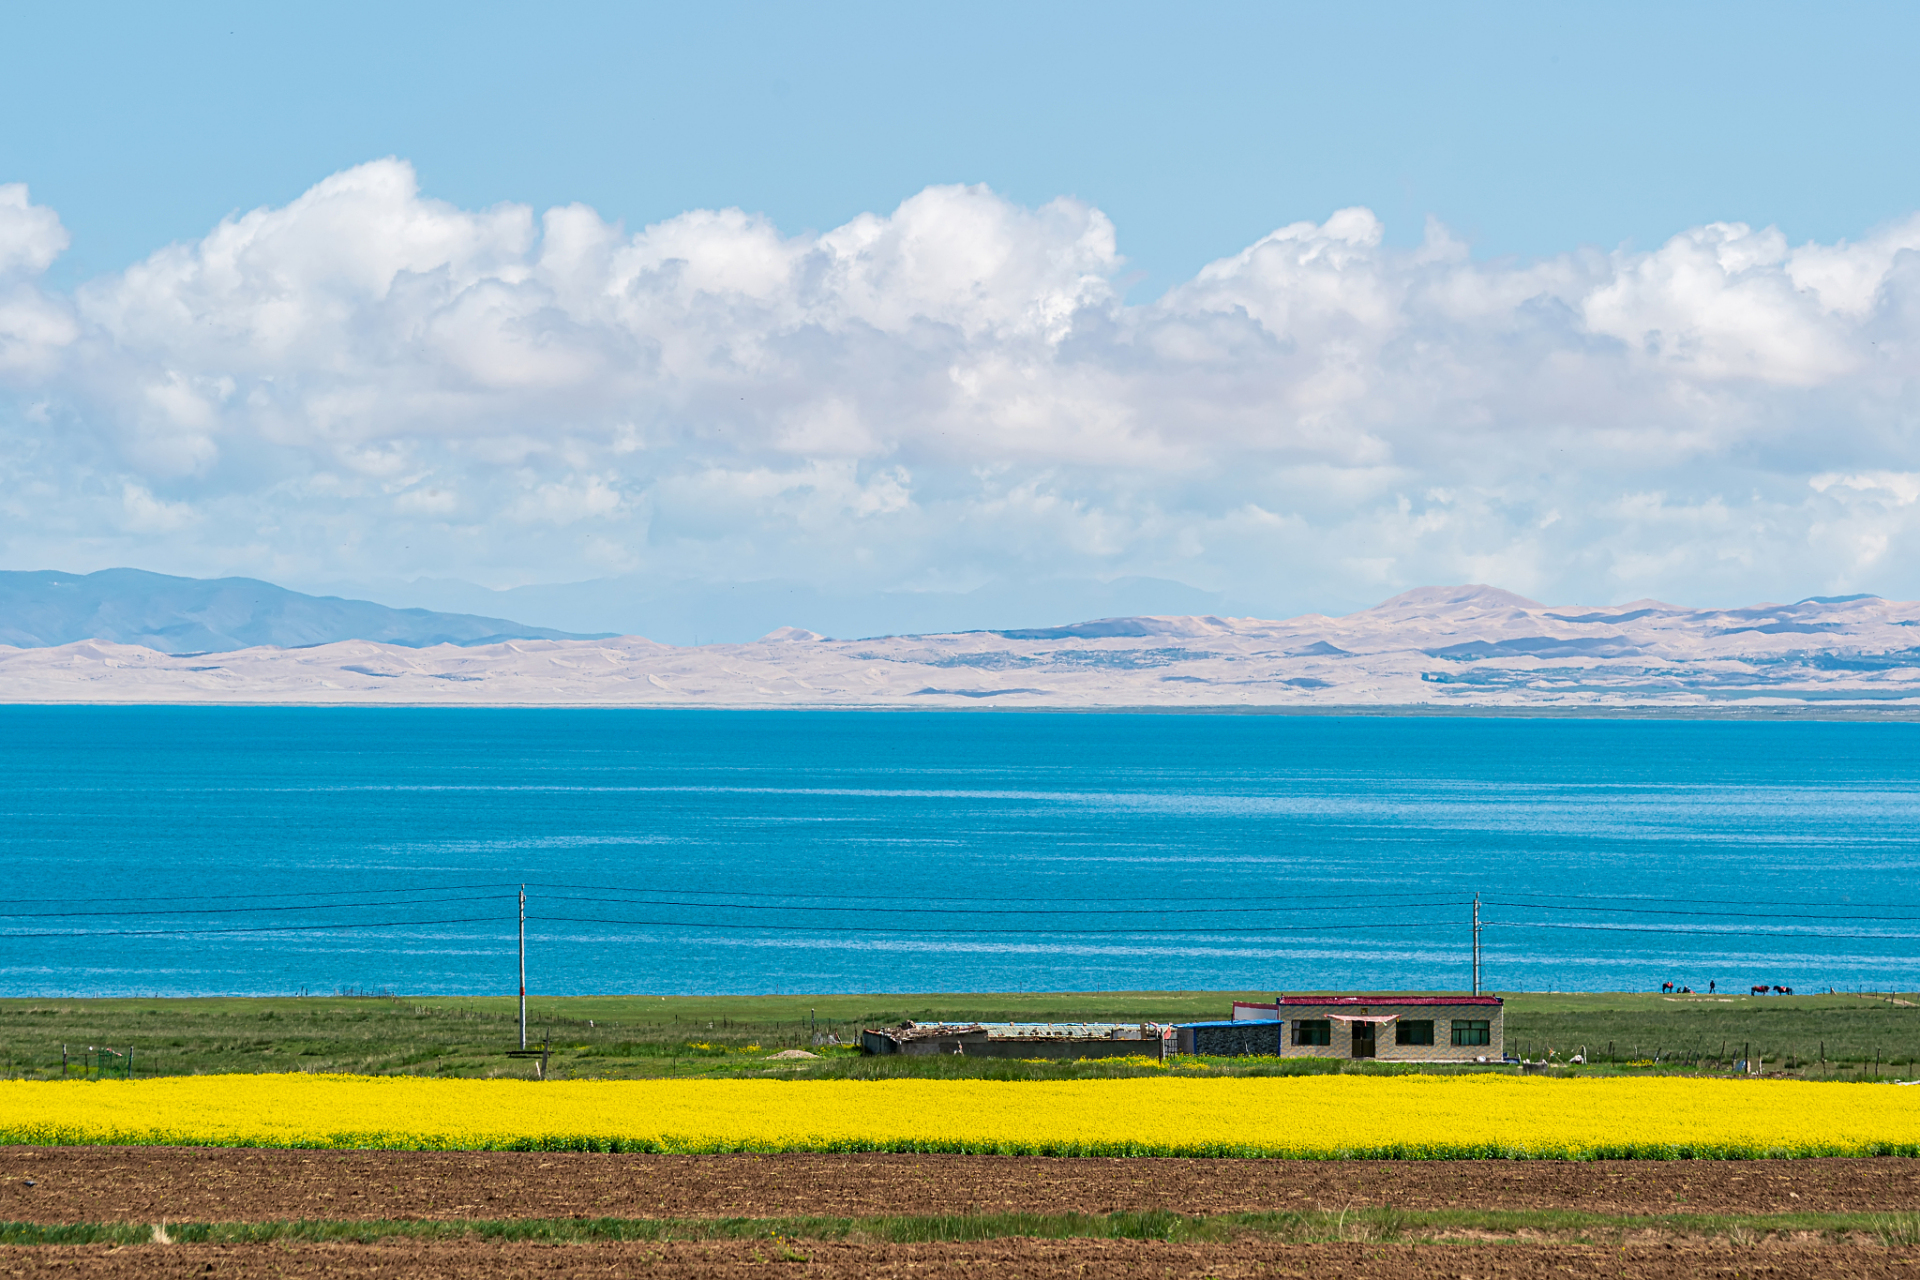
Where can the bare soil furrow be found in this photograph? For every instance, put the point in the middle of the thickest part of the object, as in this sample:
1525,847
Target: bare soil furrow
1030,1259
147,1184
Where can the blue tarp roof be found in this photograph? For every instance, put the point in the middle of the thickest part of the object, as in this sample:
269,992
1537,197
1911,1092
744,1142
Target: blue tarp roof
1233,1022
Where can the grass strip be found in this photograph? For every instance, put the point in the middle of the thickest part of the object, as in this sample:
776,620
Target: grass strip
1367,1225
1826,1036
44,1135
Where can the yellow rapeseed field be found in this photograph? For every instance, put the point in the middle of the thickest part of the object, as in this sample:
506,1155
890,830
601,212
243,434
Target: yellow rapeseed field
1433,1117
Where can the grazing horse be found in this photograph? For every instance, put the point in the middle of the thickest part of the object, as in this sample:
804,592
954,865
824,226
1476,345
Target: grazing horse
1783,991
1665,987
1760,990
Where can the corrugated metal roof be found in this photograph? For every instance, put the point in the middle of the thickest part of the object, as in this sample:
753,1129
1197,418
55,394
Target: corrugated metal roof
1069,1031
1338,1002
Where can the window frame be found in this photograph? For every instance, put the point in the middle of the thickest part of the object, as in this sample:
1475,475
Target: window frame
1465,1027
1309,1033
1405,1025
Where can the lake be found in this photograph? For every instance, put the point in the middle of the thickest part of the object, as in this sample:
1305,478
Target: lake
181,851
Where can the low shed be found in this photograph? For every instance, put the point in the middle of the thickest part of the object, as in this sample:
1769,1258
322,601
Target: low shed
1019,1039
1240,1037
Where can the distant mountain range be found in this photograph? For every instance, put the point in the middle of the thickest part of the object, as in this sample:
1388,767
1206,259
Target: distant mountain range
698,612
1468,646
194,615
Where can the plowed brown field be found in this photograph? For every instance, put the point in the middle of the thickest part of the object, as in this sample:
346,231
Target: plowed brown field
154,1184
1030,1259
147,1184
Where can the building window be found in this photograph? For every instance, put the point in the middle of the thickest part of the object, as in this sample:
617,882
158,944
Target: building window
1312,1031
1413,1033
1466,1032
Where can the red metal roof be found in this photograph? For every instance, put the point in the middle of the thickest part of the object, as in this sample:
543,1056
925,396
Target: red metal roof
1337,1001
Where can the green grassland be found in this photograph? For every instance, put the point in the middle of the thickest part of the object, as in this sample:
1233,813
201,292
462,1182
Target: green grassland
1796,1032
1838,1036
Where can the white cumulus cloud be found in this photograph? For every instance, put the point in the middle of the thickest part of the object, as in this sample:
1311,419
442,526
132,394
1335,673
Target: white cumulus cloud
371,382
33,327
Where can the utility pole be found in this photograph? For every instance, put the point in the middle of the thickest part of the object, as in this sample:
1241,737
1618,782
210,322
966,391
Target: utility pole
1476,944
523,966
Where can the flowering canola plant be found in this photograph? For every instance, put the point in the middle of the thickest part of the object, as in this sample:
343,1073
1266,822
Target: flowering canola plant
1430,1117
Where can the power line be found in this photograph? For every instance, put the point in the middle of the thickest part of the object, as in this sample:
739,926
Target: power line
939,897
216,911
283,928
690,892
1406,900
1714,902
1318,897
980,911
251,897
681,890
1703,933
1717,915
984,933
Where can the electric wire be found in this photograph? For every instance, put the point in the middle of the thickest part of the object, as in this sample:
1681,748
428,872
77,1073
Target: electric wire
1698,933
265,928
1717,915
216,911
1682,907
941,897
982,911
1714,902
727,901
992,933
292,893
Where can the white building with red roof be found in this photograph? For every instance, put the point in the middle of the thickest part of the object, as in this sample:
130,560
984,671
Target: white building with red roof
1389,1027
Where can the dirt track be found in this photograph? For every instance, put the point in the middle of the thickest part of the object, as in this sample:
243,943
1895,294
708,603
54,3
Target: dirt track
147,1184
1030,1259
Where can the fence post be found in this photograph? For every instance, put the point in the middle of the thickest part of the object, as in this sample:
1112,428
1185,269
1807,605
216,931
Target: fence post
523,966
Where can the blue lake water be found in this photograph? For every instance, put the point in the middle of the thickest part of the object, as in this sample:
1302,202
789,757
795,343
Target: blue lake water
210,850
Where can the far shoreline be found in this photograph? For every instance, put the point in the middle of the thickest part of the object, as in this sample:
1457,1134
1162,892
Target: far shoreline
1776,712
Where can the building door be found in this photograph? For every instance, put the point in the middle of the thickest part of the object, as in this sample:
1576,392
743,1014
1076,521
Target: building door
1362,1039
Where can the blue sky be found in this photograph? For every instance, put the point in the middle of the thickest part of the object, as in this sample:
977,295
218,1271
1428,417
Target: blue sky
1706,442
1528,129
